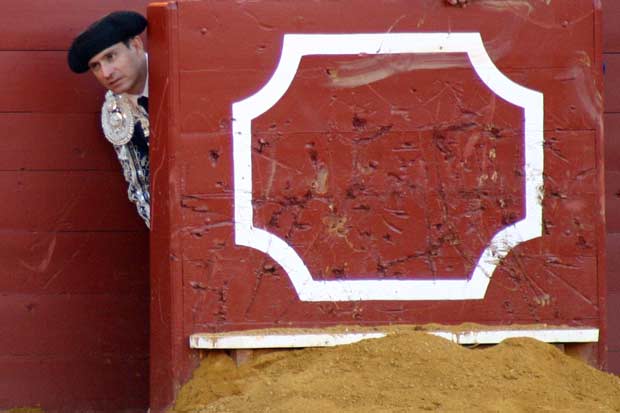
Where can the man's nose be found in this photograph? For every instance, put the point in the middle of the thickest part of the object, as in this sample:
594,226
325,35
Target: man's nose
106,70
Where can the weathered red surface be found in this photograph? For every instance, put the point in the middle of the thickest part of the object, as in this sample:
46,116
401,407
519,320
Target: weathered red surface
405,176
63,148
612,83
74,275
170,356
36,262
611,46
36,25
611,30
612,145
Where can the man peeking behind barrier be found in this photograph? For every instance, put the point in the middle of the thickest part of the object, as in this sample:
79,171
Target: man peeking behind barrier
112,50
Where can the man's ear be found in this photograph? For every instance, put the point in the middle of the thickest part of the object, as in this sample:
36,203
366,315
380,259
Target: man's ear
136,43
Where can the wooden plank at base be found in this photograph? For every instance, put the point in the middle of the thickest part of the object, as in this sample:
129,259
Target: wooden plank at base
223,341
554,335
274,340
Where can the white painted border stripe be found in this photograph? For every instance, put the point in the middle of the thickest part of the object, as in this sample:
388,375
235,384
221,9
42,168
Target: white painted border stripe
473,286
251,341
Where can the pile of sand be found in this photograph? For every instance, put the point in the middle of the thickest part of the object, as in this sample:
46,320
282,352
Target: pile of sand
405,372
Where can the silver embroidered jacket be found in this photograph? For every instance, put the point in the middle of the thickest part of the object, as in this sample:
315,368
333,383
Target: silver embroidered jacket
126,126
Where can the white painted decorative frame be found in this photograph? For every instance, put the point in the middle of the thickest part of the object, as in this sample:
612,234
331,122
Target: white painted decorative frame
294,47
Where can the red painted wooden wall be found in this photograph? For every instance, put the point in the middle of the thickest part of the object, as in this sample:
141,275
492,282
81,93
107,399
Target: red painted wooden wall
73,254
323,180
611,58
74,279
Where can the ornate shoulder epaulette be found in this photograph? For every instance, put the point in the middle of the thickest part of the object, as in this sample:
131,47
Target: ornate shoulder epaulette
117,118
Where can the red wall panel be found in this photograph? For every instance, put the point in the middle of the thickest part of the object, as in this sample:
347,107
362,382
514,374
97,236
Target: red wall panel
612,200
80,324
40,81
66,201
74,276
614,323
74,383
170,355
612,82
36,141
509,29
79,262
611,29
612,140
613,266
36,25
372,166
611,46
572,91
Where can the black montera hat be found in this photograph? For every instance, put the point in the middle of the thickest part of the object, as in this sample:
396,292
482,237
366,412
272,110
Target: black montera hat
111,29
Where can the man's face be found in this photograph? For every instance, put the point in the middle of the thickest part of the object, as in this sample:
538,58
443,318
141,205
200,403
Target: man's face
121,68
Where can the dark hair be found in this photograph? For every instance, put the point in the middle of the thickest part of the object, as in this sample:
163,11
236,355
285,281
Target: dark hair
128,40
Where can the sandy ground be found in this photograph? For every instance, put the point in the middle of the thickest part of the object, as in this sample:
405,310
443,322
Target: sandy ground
409,371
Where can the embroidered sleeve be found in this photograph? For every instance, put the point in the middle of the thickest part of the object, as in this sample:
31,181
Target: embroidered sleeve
118,119
136,172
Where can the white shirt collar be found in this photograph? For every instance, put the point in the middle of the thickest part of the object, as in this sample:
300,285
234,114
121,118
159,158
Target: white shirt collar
145,92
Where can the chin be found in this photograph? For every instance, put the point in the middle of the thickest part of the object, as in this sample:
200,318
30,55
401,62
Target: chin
118,90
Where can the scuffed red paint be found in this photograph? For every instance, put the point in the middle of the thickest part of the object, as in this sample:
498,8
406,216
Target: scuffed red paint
389,167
